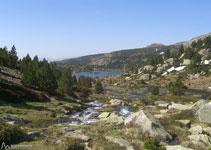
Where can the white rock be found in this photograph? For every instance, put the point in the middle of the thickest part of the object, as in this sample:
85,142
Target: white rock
177,147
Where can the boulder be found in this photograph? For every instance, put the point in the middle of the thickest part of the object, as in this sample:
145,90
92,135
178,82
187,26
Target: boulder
196,106
121,142
177,147
164,105
204,113
179,106
196,130
77,134
104,115
145,77
184,123
148,124
148,68
200,139
113,118
186,62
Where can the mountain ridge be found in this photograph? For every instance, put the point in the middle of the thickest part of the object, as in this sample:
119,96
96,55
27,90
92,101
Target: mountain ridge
124,60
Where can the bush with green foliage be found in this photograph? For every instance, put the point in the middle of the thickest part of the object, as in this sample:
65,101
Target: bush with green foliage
152,144
155,91
177,88
98,87
10,134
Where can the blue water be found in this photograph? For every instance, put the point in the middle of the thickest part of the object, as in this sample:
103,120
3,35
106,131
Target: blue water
100,74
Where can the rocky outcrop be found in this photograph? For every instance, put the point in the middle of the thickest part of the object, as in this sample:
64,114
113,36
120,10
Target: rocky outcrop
13,120
202,111
148,124
121,142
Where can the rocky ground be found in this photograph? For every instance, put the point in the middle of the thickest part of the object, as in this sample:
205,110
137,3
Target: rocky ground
176,122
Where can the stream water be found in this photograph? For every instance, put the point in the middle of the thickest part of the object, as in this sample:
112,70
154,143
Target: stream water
91,112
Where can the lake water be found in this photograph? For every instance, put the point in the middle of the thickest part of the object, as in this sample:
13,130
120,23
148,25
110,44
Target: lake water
100,74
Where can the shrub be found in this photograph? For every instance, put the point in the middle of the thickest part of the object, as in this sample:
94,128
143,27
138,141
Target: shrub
73,144
10,134
152,144
155,91
98,88
177,87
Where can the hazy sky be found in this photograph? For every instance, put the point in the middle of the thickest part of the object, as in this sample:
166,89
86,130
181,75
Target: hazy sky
69,28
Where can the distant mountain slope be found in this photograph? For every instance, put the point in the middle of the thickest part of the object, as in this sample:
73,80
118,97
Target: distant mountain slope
123,59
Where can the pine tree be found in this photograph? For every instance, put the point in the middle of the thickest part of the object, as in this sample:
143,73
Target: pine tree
65,84
24,63
46,79
13,58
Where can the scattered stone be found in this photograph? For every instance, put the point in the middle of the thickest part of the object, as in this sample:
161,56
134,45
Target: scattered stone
115,102
128,78
148,68
184,123
148,124
77,134
165,105
186,62
121,142
200,139
177,147
196,130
